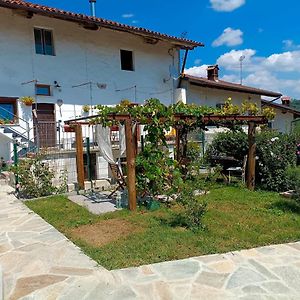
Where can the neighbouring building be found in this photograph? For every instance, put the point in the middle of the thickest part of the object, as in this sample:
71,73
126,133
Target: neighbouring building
213,92
65,60
285,117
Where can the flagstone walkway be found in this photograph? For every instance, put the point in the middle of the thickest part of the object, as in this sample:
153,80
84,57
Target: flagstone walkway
38,262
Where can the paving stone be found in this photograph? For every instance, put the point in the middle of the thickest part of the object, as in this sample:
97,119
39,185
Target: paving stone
210,258
294,245
261,269
212,279
124,293
70,271
5,247
253,289
254,297
27,285
243,276
225,266
177,269
199,292
290,275
276,287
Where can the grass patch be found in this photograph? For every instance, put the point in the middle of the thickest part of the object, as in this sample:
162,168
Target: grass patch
236,219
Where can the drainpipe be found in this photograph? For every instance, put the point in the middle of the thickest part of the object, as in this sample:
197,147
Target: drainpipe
183,67
93,7
273,100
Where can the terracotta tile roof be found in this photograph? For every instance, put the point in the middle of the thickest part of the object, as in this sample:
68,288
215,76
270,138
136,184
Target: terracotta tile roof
286,108
225,85
88,20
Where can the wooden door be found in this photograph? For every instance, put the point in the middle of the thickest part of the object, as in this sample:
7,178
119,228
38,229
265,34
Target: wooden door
44,125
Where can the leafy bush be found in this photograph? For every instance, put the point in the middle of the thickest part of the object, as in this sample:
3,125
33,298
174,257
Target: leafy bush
193,150
275,153
230,143
193,208
36,178
156,172
293,175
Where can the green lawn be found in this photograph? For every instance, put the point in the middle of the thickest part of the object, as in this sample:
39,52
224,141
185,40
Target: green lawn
236,219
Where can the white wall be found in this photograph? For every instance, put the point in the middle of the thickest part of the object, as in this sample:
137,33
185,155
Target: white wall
6,147
210,97
81,56
282,121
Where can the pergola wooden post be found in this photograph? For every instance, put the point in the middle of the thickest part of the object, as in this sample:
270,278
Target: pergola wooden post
79,156
130,157
251,156
177,144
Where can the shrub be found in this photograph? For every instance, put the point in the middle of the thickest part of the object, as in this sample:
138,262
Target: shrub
293,175
193,208
35,178
193,151
230,143
275,153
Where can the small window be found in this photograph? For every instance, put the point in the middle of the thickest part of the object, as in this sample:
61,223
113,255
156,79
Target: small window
126,60
42,90
43,41
8,110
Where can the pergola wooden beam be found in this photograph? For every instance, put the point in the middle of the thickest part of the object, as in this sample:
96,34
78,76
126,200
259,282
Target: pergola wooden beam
206,119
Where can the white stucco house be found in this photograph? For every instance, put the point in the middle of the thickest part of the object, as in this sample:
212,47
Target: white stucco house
213,92
66,60
285,115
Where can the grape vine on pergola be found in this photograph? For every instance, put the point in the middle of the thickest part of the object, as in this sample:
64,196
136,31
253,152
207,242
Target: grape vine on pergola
179,120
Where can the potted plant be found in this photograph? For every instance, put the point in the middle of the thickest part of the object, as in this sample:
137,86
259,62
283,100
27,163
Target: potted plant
86,108
27,100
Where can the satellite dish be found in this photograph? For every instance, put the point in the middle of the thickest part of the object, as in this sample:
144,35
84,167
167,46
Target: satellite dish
59,102
101,86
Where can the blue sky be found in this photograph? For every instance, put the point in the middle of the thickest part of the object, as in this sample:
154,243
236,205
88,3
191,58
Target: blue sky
266,32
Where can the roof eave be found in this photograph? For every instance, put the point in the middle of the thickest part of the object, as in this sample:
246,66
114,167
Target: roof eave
82,19
234,89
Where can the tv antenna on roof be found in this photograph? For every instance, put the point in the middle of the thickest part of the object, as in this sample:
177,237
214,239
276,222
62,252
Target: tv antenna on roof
241,67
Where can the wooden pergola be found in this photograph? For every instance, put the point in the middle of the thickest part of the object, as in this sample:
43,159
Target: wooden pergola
131,142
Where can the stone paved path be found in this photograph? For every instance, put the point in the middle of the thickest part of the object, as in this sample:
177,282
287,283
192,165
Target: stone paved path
40,263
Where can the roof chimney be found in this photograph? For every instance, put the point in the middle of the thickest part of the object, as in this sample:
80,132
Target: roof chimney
93,7
286,100
213,72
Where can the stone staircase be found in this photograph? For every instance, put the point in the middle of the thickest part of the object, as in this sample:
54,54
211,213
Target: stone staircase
11,134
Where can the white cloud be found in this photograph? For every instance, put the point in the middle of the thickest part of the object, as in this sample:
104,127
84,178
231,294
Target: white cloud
127,16
229,37
230,60
200,71
276,72
285,62
226,5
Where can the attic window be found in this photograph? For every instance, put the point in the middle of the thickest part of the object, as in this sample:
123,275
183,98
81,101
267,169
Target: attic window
126,60
43,41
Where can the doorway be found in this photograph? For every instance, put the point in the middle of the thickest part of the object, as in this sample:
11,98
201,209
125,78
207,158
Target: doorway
44,125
